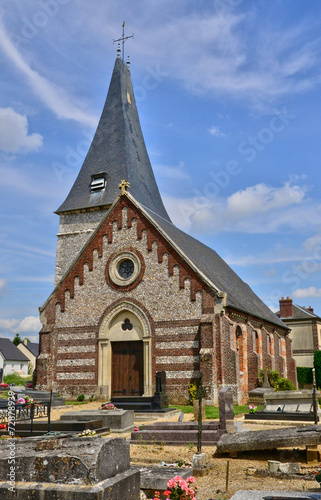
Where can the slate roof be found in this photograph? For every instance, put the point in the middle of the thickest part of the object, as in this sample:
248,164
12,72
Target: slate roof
33,347
239,294
118,149
299,313
10,352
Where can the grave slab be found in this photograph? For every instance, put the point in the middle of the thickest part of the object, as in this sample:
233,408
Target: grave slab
269,439
117,420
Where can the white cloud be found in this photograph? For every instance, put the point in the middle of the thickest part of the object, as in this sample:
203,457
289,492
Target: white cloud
256,209
50,94
7,325
14,133
262,198
303,293
216,132
28,324
3,286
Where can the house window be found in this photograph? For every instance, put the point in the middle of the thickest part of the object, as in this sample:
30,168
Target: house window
98,182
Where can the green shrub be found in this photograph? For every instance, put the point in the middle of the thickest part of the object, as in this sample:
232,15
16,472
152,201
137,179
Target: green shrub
317,366
81,397
284,384
304,375
273,377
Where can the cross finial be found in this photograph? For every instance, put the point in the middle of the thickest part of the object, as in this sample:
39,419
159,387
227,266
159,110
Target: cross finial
123,186
123,39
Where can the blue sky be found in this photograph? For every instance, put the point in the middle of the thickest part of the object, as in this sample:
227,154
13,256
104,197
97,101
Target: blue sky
228,93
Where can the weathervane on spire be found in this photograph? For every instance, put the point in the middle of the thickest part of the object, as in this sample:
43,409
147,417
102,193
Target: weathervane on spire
123,39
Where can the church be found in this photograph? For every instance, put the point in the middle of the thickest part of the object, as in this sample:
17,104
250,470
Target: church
135,295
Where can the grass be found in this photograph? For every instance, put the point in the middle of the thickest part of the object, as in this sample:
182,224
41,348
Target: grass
212,412
15,379
70,402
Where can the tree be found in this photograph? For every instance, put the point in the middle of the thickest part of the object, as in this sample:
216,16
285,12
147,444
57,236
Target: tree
17,340
317,366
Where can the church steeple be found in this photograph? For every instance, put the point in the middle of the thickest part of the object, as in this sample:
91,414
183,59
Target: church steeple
117,152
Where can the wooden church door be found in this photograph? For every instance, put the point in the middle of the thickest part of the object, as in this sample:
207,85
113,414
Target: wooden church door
127,368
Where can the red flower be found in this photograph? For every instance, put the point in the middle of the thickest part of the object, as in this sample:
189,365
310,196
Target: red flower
3,426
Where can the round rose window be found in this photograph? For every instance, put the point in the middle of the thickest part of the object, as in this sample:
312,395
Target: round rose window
126,269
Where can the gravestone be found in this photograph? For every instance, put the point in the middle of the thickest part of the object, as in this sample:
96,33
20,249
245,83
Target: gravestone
77,468
225,402
160,398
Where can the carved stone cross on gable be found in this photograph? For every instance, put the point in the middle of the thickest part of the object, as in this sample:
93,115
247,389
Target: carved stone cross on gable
123,186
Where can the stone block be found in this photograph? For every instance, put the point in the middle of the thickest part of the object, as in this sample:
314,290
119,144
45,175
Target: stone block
290,468
66,460
199,460
117,420
312,454
273,465
125,485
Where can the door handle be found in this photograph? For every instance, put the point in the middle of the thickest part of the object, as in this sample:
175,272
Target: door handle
130,377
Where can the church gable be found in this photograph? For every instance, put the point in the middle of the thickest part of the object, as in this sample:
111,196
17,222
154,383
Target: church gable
163,272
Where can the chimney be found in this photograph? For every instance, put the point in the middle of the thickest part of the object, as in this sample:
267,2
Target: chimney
310,309
25,342
286,307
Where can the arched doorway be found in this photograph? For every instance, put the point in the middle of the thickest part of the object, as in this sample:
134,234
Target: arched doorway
124,367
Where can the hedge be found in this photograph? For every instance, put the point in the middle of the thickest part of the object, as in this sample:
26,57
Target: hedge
304,375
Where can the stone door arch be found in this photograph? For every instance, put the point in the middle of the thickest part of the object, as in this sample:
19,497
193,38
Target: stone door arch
125,323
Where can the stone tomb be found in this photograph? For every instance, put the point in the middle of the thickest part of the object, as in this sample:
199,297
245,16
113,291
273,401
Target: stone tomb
286,405
117,420
68,469
155,478
187,432
287,437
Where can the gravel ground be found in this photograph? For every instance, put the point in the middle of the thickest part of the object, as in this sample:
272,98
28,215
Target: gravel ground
213,485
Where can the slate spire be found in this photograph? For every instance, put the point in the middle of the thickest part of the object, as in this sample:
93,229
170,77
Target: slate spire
117,152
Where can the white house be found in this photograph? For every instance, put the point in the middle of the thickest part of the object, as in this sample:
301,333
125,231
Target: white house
11,359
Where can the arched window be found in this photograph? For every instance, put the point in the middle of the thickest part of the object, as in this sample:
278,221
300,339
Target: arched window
269,344
256,343
240,346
